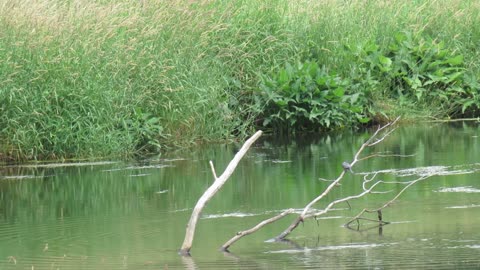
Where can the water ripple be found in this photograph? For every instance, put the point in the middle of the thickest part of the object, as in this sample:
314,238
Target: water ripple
235,214
467,189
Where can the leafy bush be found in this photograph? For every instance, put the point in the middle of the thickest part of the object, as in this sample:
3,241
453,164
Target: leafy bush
145,129
421,70
307,97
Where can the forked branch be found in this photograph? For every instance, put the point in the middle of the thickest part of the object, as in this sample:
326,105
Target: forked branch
379,135
376,138
378,210
210,192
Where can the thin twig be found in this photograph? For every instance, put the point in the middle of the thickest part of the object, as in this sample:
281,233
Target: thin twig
346,199
213,170
385,155
325,180
365,210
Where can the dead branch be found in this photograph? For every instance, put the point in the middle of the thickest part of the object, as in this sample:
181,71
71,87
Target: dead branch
373,140
408,184
383,155
210,192
254,229
346,199
305,213
369,183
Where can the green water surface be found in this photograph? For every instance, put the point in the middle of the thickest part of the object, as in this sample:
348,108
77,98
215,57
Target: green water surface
132,215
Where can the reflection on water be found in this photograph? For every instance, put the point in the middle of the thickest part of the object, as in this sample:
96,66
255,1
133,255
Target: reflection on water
132,215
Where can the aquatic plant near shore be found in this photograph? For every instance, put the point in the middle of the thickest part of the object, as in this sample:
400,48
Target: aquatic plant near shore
417,69
306,97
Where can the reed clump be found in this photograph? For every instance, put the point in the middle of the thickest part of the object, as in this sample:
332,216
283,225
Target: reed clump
113,78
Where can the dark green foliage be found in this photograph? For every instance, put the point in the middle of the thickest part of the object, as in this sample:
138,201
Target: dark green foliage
418,69
73,77
307,97
414,70
146,130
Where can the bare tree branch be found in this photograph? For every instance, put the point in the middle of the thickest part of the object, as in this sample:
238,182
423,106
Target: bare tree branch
365,210
335,183
346,199
254,229
369,184
383,155
210,192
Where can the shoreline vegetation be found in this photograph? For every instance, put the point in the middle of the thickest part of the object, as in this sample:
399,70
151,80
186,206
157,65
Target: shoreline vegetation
88,79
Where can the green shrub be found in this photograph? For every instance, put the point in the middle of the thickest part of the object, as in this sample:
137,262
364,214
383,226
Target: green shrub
306,97
420,70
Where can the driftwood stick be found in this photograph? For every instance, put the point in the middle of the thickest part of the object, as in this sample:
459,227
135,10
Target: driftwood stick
210,192
254,229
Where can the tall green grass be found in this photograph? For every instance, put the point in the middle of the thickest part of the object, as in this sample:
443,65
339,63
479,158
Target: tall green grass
108,78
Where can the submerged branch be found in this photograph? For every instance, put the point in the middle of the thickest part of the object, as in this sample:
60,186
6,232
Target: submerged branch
210,192
359,216
373,140
346,199
254,229
369,183
384,155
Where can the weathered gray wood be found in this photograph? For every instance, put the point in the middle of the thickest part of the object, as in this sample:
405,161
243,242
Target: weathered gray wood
210,192
254,229
373,140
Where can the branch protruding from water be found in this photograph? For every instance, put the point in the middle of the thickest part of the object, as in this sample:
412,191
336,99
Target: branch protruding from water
376,138
378,210
211,191
254,229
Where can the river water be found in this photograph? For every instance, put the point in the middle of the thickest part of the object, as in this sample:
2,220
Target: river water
132,215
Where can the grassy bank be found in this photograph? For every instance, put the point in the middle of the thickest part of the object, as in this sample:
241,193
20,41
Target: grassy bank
111,78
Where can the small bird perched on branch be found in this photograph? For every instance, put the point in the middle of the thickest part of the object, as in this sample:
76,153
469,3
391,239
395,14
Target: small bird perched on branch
347,167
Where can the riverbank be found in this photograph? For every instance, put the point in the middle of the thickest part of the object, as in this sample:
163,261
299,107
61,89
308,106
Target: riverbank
118,78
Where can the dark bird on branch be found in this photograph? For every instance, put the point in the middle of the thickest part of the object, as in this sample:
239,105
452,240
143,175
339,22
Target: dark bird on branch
347,167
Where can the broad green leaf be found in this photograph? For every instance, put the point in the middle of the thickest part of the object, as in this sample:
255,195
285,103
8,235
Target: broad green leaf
327,122
356,109
457,89
281,102
321,81
370,47
454,77
363,120
289,70
313,69
354,97
467,104
283,77
419,93
455,61
339,92
385,61
266,121
400,37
